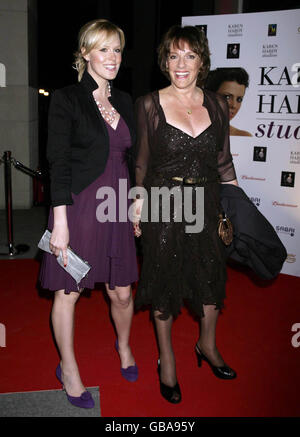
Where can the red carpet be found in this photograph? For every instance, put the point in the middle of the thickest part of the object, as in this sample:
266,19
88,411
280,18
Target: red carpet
254,335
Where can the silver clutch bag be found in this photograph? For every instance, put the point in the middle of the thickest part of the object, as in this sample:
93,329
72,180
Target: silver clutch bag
76,266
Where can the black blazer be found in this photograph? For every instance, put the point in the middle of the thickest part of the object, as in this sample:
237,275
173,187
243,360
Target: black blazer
255,241
78,141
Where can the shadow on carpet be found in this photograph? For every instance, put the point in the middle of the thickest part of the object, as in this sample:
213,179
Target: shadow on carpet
46,403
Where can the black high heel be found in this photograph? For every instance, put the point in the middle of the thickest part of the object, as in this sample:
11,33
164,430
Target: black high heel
223,372
171,394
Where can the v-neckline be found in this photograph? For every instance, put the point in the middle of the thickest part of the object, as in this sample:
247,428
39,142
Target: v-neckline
178,128
114,129
185,133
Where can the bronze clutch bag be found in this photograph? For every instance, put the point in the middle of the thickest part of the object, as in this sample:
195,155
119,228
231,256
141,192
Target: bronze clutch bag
225,229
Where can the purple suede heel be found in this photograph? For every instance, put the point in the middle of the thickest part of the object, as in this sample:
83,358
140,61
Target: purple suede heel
131,373
83,401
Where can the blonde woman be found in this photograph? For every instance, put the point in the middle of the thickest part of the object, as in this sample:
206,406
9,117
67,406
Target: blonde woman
91,130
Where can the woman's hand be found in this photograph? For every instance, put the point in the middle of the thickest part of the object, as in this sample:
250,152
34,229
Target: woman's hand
137,213
136,229
59,242
60,234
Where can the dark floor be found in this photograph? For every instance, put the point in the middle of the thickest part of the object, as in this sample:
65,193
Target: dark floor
28,227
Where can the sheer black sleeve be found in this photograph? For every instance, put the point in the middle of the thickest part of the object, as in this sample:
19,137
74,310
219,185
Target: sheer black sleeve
142,152
226,168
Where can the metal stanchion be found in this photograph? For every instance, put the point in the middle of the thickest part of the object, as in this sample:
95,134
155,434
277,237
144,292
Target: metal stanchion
7,160
8,201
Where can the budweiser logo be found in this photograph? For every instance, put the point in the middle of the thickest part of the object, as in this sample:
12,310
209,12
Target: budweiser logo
252,178
275,203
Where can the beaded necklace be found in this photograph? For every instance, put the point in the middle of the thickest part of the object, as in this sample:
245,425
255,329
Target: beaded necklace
108,115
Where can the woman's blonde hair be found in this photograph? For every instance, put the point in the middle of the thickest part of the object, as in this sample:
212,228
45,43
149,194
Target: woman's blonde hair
88,39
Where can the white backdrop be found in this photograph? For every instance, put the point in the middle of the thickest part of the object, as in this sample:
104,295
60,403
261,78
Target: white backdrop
268,45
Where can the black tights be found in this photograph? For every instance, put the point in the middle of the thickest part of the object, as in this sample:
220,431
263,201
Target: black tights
206,342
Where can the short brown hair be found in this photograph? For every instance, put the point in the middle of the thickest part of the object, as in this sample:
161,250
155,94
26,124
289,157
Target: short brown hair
197,41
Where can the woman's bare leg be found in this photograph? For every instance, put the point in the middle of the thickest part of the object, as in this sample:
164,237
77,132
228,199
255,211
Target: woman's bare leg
122,313
63,312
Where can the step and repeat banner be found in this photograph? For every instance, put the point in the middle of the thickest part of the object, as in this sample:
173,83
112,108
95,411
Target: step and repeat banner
255,63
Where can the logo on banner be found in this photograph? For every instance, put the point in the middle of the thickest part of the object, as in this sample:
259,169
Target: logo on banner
235,30
269,50
260,154
286,230
291,258
203,28
295,157
272,29
287,179
251,178
233,51
255,200
289,205
279,103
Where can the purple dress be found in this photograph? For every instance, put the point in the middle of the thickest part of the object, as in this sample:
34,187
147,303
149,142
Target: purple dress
109,247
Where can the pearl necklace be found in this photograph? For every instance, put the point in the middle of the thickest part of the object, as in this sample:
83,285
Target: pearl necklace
109,116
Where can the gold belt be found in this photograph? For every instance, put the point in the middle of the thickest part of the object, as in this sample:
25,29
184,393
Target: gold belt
192,181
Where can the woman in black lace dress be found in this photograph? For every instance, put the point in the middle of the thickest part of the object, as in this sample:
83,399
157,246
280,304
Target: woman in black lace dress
183,142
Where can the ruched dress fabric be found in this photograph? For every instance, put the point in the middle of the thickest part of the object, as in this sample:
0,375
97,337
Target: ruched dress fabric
109,246
179,266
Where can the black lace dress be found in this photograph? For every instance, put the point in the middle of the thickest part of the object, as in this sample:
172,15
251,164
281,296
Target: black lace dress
180,266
